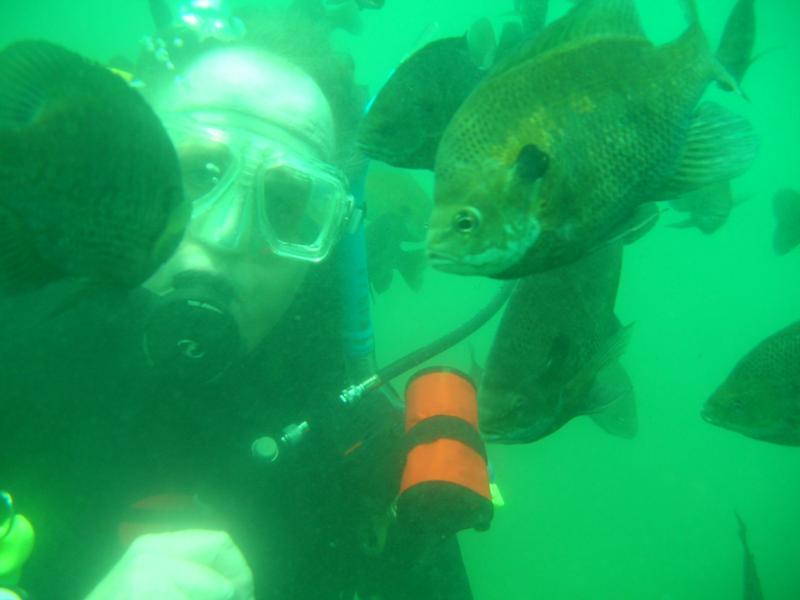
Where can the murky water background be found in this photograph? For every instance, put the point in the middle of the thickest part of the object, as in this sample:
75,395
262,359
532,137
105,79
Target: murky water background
589,516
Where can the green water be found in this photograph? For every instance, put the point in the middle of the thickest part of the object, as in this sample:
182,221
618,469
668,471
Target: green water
588,516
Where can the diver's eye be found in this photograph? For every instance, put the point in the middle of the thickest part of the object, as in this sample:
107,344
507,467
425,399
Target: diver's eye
203,166
467,220
532,163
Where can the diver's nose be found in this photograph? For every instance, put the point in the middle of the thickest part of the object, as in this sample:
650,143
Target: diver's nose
192,333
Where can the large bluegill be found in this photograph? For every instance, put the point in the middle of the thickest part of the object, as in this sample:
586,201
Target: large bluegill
552,154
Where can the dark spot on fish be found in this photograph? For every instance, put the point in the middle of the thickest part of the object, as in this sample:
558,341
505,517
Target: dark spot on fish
532,163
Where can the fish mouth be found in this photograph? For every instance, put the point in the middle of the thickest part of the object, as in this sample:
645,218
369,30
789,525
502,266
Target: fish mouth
751,432
509,438
494,431
451,264
485,264
706,415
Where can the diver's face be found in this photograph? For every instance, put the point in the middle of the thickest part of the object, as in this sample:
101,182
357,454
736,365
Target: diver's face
263,284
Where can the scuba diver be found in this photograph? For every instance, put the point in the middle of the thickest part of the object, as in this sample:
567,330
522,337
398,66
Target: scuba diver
139,413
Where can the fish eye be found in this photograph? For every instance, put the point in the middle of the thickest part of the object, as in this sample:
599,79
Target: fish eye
467,220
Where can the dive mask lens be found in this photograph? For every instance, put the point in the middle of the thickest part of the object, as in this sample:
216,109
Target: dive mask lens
302,210
6,514
208,163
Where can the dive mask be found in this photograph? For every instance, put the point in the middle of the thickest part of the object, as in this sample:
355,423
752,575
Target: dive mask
258,189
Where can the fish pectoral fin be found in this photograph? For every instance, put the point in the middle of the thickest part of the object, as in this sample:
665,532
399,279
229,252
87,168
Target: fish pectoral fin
21,267
685,224
786,204
710,207
641,220
580,385
615,398
412,266
380,280
720,146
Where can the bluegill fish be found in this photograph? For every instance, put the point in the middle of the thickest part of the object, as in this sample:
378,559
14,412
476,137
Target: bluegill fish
406,121
761,396
90,185
554,356
551,154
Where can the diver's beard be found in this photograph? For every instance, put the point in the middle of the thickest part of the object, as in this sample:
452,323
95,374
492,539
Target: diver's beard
260,287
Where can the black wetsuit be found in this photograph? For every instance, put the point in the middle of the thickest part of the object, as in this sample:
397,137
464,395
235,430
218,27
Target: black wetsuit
88,428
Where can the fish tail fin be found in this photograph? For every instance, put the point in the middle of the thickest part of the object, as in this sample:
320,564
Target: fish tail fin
691,13
742,528
694,36
735,50
786,204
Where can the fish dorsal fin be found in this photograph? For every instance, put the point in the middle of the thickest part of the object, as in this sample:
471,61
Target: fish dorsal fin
586,20
33,72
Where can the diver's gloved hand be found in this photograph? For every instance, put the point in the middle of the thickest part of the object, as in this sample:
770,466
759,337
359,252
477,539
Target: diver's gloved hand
187,565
